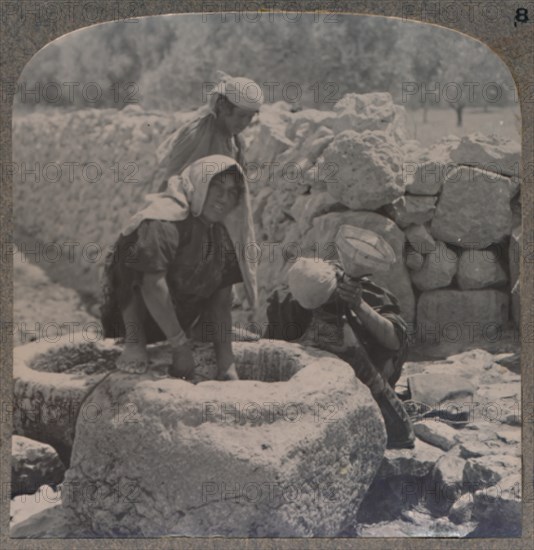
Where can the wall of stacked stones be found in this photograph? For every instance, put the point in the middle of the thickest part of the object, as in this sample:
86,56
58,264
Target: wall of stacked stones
451,211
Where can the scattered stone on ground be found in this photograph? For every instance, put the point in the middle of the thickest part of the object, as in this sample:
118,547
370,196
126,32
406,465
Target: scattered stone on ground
436,433
33,464
463,465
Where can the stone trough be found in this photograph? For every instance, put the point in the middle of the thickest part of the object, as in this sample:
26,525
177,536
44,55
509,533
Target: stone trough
288,450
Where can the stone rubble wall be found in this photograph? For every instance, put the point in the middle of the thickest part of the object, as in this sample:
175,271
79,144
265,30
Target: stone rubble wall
451,211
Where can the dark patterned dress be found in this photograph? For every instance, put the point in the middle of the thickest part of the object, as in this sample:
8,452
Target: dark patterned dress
198,259
325,326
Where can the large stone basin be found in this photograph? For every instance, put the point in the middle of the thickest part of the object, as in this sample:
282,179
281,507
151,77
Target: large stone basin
288,450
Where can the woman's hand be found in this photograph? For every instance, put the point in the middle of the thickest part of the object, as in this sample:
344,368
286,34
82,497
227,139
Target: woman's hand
350,291
183,363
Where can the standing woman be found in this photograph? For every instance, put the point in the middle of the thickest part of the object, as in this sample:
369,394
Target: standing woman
173,267
231,107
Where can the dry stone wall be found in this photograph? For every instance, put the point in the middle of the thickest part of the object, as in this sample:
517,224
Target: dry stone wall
448,211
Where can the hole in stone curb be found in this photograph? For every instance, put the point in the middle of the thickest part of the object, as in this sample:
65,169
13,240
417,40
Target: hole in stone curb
85,358
265,364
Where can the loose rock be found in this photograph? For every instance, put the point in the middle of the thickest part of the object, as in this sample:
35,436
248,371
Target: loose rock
368,172
416,462
447,482
462,510
435,433
498,509
485,471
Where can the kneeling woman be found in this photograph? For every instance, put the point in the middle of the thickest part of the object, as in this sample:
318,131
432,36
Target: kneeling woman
172,269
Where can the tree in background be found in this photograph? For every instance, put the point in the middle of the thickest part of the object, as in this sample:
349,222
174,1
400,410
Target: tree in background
446,67
167,62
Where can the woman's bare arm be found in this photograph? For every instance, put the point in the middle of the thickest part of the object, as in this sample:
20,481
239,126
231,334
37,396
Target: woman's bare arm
158,302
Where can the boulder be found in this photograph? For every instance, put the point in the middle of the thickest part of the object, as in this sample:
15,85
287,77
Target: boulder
307,121
292,169
493,153
425,172
408,210
446,482
41,516
416,462
498,508
465,217
454,315
420,239
368,172
320,241
438,269
480,269
462,510
359,112
33,464
265,143
435,433
288,450
485,471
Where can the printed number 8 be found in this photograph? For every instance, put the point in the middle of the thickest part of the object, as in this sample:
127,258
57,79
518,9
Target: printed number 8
521,15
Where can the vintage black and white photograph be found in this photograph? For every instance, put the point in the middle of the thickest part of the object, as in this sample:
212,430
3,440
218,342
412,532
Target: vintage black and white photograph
266,281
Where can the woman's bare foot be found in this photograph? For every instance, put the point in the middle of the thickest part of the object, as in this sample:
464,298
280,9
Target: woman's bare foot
133,359
229,374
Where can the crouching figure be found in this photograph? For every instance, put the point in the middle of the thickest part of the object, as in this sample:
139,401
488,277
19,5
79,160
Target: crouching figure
355,319
171,271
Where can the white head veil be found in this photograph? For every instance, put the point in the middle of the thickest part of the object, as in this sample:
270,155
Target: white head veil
186,194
